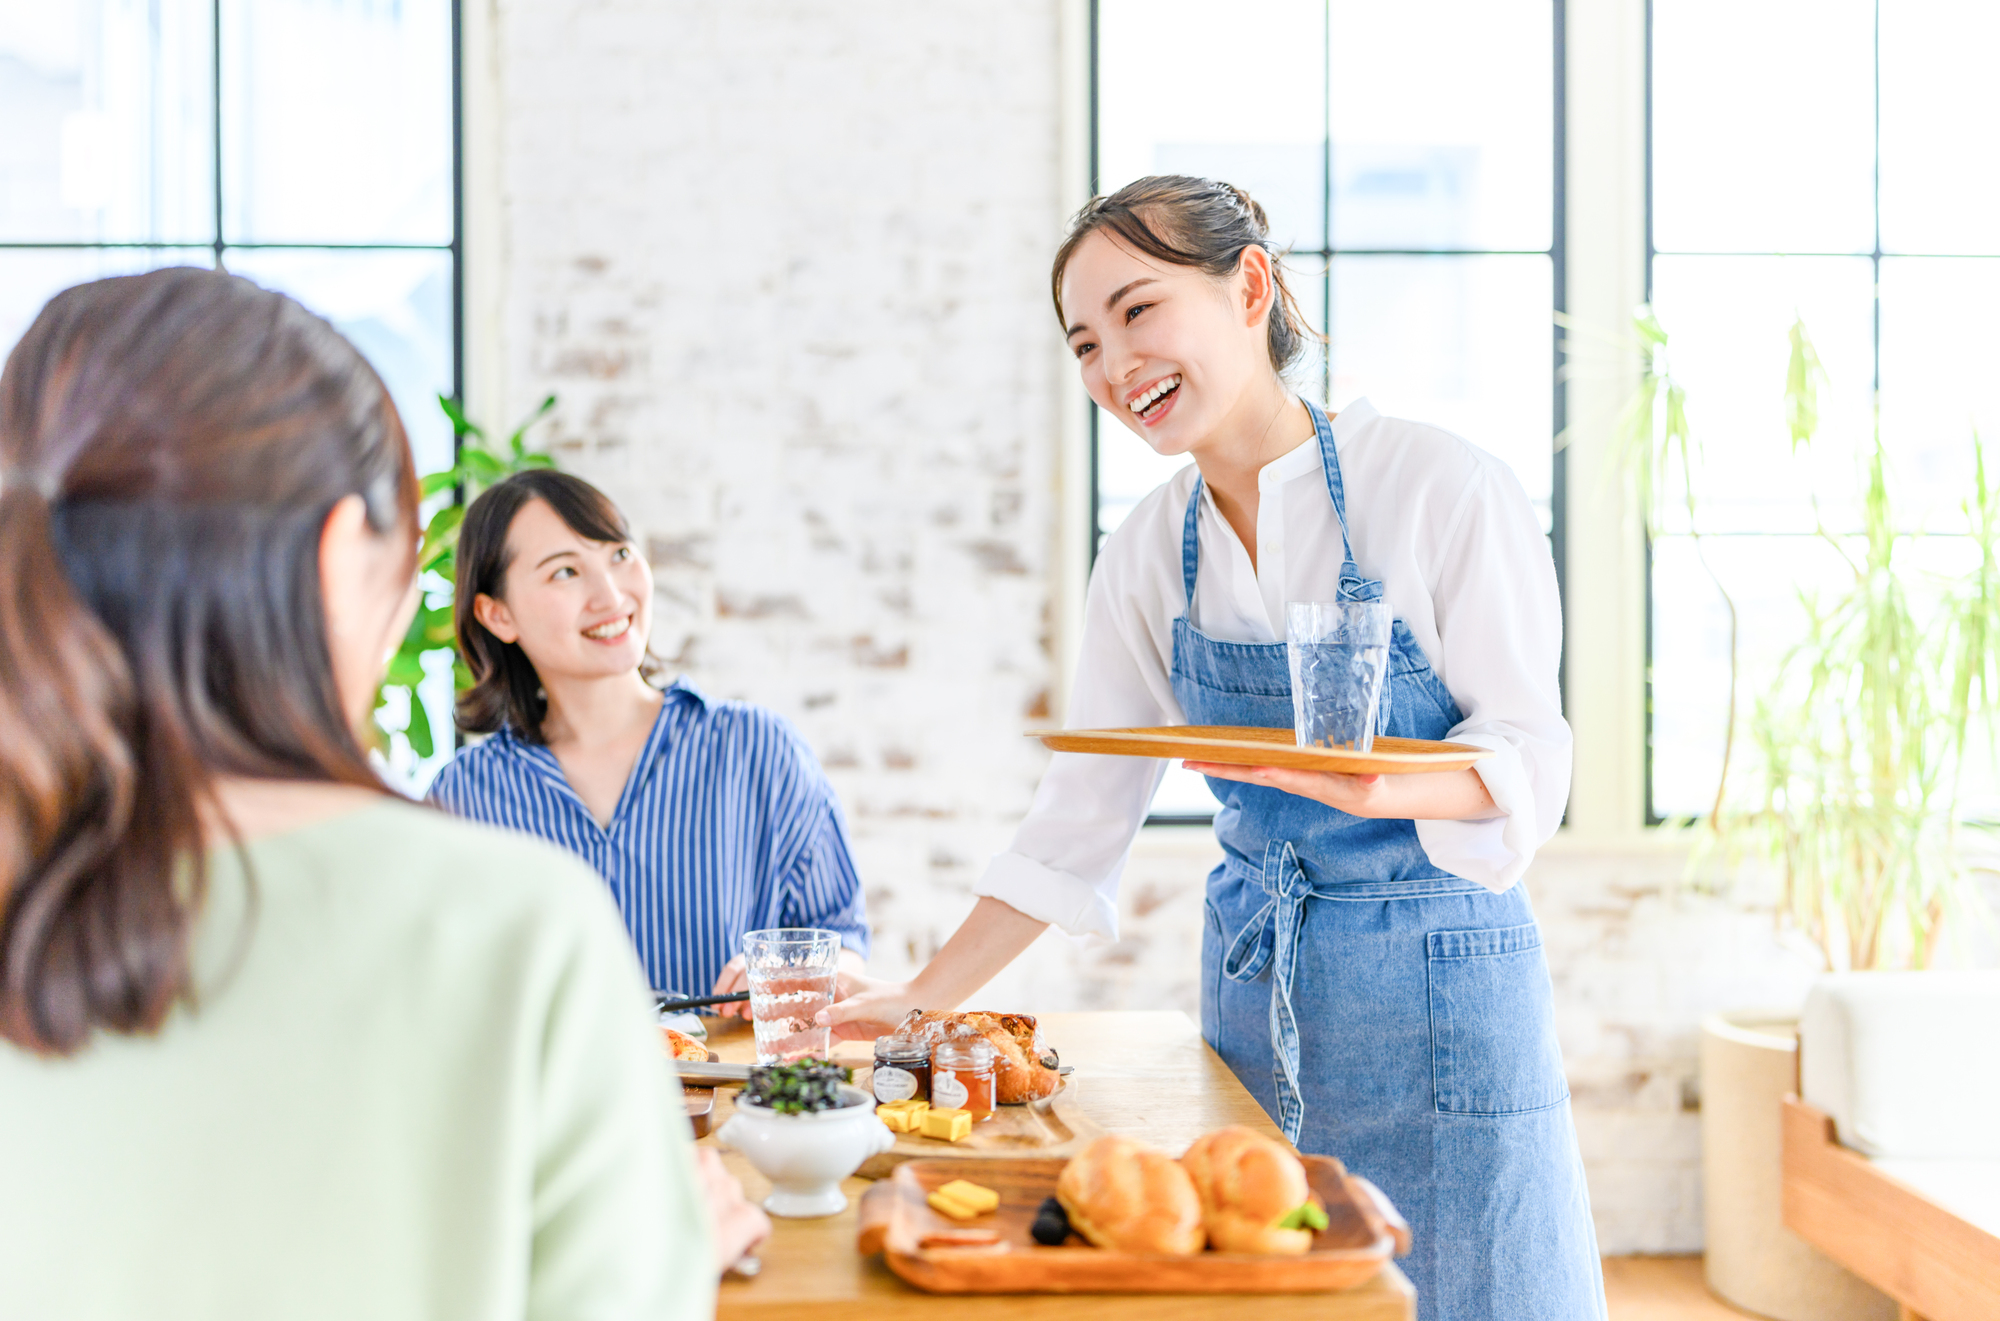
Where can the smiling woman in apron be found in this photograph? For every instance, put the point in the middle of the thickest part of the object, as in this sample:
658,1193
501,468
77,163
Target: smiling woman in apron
1371,968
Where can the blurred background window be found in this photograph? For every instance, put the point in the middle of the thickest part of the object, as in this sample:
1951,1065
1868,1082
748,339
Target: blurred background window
1406,155
309,145
1802,167
305,144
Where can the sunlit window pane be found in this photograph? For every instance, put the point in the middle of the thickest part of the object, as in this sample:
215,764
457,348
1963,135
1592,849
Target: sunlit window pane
1763,125
1940,377
1443,117
1728,321
1465,343
337,124
104,122
1765,576
1233,93
396,308
30,277
1940,127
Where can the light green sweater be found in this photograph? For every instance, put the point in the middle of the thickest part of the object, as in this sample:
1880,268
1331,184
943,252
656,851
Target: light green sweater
421,1083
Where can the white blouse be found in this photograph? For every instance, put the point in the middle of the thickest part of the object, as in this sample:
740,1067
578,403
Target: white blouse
1463,561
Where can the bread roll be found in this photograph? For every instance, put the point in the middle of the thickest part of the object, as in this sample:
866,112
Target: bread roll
1248,1183
1018,1074
1122,1194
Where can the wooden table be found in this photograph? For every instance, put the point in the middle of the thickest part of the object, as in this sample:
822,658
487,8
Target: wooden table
1147,1075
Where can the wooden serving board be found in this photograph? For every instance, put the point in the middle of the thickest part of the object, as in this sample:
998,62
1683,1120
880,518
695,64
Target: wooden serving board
1248,745
1052,1127
1362,1231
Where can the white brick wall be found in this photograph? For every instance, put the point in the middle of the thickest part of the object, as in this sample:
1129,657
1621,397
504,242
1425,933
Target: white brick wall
785,263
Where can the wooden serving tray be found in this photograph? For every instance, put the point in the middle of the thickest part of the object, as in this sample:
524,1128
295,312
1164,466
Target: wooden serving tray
1362,1231
1249,745
1052,1127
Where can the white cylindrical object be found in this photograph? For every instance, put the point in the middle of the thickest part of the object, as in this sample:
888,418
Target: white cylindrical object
1748,1062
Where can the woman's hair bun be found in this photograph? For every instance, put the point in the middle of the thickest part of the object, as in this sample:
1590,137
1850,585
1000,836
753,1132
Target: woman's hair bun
1183,220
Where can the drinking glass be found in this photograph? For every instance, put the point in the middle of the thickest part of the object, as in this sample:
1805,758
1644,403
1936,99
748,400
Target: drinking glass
1339,654
792,971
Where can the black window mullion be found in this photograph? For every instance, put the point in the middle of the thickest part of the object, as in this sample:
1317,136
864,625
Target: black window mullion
1326,204
215,123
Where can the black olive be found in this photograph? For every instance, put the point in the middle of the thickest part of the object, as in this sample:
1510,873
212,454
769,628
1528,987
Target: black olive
1051,1227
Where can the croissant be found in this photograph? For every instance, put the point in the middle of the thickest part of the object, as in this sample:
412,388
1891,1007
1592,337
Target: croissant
1019,1076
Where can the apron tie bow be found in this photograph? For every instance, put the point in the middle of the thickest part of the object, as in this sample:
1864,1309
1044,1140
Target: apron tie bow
1272,937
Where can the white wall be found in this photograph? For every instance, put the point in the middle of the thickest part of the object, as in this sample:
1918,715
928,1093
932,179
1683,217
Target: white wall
785,263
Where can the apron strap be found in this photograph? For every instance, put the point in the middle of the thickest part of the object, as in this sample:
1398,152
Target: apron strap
1272,937
1191,544
1353,587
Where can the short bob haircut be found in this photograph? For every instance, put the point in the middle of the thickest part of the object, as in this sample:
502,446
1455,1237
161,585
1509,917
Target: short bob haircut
505,688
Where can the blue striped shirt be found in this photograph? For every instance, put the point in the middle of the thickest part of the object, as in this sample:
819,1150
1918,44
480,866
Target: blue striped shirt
726,825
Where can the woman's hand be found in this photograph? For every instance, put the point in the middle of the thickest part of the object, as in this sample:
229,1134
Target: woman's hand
866,1007
1432,796
738,1226
736,977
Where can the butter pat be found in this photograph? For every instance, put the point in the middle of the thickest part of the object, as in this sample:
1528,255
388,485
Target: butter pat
970,1194
951,1206
899,1120
948,1125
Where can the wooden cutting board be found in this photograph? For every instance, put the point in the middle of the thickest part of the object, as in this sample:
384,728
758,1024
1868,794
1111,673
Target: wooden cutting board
1249,745
1052,1127
1362,1231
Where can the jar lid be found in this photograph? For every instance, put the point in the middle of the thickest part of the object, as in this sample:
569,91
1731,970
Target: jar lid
902,1050
976,1051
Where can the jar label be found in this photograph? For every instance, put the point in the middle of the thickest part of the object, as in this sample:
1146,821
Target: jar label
947,1092
893,1084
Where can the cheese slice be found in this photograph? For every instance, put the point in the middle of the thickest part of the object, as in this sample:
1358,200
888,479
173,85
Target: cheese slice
951,1206
971,1194
947,1125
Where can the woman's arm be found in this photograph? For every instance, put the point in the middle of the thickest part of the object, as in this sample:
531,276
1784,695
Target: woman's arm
1440,796
991,937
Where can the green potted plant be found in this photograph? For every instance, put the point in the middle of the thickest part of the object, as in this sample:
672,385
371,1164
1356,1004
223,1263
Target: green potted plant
476,467
1858,745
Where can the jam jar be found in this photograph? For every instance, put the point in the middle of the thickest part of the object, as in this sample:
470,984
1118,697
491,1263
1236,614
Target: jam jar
902,1070
962,1076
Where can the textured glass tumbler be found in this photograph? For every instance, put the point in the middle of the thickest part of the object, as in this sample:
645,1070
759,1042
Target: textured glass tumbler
1339,654
792,972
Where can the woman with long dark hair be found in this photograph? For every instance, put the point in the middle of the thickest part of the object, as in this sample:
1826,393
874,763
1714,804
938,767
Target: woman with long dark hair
1371,968
706,818
277,1043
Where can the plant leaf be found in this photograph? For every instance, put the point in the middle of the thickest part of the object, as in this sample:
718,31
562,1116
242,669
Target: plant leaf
460,424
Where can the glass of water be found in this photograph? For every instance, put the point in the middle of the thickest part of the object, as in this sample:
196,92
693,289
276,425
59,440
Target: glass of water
1339,654
792,972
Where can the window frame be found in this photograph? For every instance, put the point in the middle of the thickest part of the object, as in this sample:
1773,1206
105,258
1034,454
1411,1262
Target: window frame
219,245
1557,252
1875,255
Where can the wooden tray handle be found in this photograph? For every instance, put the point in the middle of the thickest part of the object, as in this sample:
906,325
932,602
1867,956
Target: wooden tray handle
878,1207
1392,1219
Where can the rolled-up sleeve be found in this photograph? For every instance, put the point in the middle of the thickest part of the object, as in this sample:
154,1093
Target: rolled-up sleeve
1499,622
1066,859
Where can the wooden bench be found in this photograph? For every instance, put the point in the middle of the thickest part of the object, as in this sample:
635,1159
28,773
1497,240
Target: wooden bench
1937,1264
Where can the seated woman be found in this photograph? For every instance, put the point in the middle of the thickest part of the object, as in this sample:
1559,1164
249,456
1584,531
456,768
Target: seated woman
707,819
274,1042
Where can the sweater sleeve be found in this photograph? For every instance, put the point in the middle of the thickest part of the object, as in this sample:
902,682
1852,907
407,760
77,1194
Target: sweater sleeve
620,1227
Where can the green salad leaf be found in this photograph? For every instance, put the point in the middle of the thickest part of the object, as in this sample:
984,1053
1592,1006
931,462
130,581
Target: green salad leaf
1306,1216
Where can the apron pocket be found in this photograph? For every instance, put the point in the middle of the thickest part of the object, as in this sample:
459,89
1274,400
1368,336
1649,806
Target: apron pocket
1493,1035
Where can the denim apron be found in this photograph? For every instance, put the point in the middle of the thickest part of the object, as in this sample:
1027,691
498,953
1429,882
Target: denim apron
1381,1009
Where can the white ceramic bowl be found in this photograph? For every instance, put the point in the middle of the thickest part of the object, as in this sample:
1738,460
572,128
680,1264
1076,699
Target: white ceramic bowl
806,1156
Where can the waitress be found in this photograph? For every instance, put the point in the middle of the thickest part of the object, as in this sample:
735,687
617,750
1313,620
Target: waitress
1371,969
